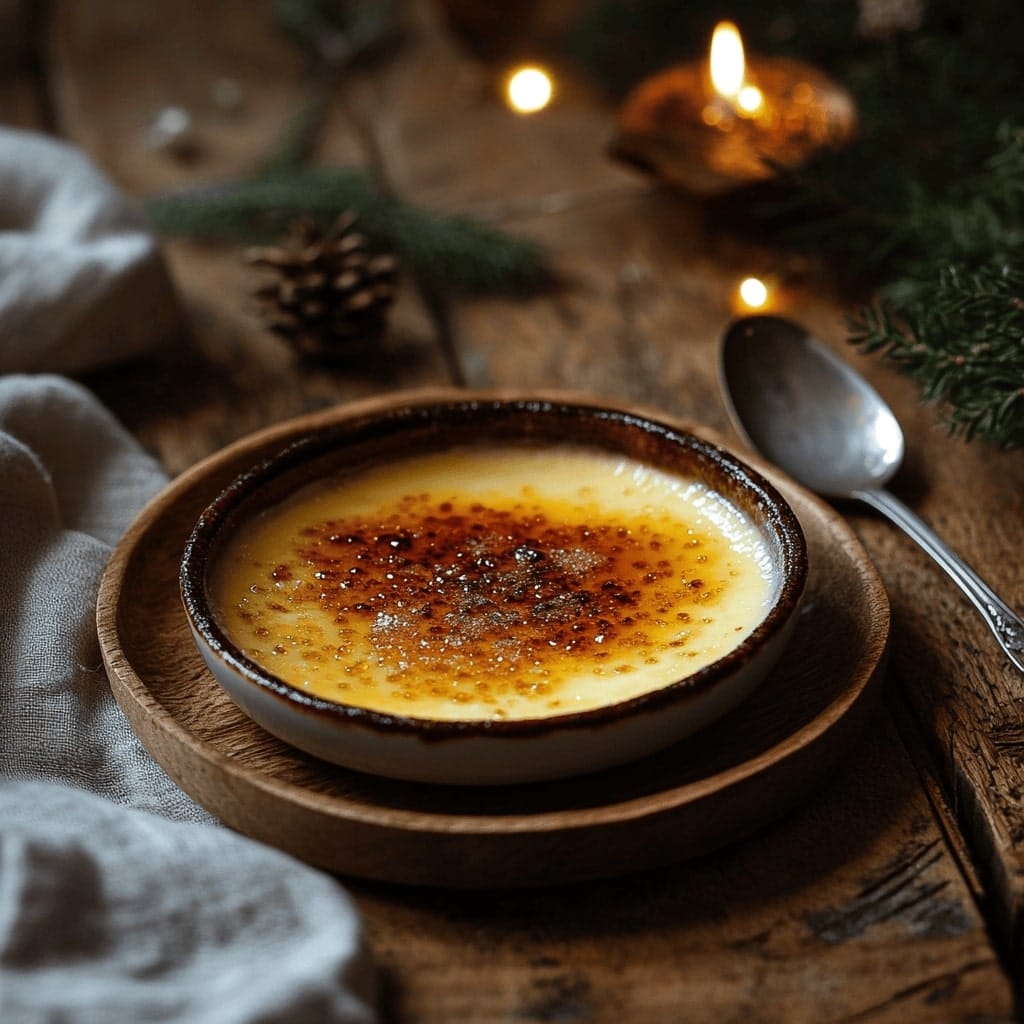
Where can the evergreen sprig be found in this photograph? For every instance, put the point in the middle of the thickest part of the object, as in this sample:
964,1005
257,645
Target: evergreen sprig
334,36
340,31
962,341
452,253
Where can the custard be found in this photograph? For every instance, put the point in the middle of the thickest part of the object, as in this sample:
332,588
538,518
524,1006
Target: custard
492,583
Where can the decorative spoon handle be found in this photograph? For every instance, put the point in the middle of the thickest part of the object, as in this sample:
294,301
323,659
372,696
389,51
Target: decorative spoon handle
1007,626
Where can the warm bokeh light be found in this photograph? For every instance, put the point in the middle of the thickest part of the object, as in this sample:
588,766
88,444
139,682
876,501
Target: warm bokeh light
529,89
750,99
728,64
752,293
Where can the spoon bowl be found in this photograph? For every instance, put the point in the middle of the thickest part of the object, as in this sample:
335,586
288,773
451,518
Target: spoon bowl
816,418
806,410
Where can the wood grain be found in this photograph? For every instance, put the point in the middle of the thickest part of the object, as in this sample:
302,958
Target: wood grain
684,801
855,906
792,927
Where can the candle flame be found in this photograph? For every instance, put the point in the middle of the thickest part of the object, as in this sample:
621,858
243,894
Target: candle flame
728,65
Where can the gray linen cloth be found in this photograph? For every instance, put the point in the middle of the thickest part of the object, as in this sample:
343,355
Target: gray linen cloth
120,899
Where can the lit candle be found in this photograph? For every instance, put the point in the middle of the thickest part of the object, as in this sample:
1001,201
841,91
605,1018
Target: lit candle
727,121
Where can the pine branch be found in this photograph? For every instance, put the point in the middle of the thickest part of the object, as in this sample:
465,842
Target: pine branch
963,324
961,341
337,31
452,253
334,34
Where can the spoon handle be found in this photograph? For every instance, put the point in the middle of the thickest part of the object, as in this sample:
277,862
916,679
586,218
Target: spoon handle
1001,619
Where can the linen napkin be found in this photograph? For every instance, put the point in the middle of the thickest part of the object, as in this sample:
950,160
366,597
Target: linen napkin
120,899
82,281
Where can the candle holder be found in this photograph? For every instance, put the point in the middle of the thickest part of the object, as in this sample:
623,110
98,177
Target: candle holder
677,126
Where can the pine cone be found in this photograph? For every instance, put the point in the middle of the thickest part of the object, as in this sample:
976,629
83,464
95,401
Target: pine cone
328,294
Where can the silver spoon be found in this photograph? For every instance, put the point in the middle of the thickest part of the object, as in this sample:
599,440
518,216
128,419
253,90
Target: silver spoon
813,416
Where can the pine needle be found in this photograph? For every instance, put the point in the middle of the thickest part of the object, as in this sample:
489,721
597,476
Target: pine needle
962,340
449,252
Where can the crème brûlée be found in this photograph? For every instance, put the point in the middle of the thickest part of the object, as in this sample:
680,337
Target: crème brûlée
492,582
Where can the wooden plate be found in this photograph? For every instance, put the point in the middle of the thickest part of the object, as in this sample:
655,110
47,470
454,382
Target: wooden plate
702,793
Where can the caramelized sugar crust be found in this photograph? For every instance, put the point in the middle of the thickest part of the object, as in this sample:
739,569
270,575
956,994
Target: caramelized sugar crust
486,593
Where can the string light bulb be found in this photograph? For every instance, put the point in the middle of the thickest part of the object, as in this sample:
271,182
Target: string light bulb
752,294
529,89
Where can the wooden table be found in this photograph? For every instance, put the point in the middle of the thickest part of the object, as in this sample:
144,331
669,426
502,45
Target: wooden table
895,892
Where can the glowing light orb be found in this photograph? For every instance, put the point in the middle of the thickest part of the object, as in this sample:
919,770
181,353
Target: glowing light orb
753,293
750,99
529,89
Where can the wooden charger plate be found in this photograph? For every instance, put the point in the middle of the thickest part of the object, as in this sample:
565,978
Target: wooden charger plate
699,794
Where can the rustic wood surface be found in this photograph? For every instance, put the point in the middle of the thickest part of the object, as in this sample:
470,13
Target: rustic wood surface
896,892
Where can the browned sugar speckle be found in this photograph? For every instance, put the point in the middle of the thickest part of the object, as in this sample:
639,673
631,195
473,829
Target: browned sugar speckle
471,593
